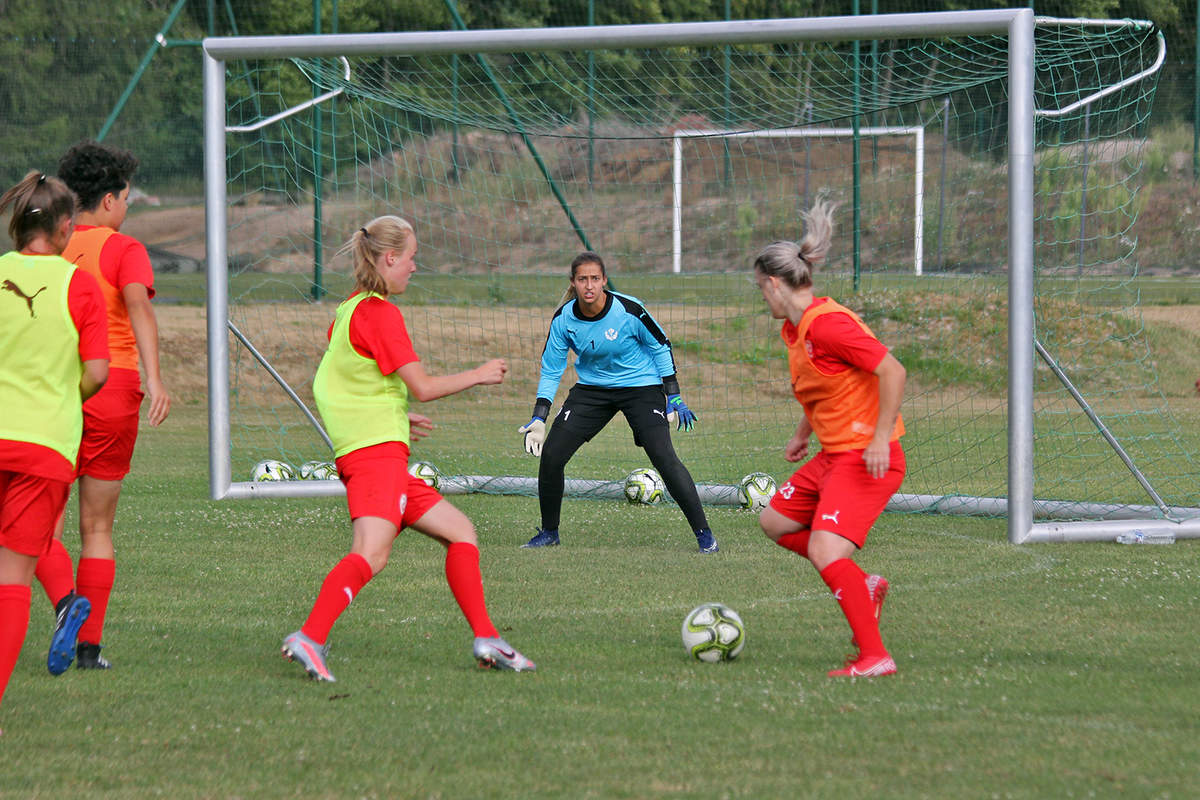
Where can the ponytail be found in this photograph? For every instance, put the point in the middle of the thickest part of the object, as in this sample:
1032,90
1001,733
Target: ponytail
39,203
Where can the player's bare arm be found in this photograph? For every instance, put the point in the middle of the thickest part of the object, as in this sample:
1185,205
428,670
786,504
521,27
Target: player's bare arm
95,373
145,332
426,387
419,425
797,447
892,377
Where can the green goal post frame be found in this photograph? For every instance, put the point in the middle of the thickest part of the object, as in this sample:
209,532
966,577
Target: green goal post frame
1016,25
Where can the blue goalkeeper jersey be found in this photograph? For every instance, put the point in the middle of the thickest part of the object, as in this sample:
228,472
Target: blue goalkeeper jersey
622,347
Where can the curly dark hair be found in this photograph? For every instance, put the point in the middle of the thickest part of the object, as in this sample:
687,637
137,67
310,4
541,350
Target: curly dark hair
92,170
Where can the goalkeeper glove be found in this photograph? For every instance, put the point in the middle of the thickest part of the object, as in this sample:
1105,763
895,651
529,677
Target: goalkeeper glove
678,410
535,434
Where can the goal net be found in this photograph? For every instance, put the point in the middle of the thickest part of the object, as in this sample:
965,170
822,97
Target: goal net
987,189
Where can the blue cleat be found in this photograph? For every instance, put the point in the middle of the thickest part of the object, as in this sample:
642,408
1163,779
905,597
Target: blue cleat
71,613
543,538
706,541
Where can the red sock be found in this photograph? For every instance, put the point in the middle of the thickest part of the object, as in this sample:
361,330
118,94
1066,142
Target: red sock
466,582
796,542
341,586
14,623
56,572
849,585
95,582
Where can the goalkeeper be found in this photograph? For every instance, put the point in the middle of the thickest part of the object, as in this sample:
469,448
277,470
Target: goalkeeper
624,363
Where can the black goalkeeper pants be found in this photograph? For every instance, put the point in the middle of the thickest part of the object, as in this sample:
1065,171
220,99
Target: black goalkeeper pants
584,414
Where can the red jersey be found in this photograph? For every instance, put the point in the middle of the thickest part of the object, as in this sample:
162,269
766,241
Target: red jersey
86,306
377,331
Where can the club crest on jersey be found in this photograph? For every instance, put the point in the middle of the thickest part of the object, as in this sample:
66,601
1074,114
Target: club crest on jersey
611,334
787,490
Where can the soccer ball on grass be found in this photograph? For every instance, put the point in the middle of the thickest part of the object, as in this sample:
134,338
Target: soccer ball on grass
427,472
318,471
756,490
713,632
272,470
644,486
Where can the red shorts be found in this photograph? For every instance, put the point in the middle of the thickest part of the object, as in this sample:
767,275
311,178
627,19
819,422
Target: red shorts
29,508
378,485
834,492
110,429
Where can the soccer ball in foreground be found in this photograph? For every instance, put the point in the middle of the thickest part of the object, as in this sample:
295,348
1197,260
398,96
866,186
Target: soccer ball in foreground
713,632
426,472
318,471
756,490
272,470
644,486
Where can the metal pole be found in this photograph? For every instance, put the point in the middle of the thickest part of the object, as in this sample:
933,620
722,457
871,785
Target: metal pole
728,97
808,118
942,179
1020,275
219,470
874,93
591,99
454,157
677,203
856,166
1083,192
160,40
318,169
516,121
700,34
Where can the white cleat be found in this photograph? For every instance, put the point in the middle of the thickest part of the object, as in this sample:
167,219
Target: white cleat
495,653
308,654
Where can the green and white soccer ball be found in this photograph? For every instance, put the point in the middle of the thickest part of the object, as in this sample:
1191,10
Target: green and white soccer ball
644,486
713,632
272,470
318,471
756,490
426,472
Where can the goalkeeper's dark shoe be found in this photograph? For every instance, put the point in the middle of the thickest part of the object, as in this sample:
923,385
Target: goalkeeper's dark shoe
70,615
706,541
87,656
543,538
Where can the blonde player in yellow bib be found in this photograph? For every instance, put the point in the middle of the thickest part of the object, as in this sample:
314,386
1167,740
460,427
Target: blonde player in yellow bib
361,389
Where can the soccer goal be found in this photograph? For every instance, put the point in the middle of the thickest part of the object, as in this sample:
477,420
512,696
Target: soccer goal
987,238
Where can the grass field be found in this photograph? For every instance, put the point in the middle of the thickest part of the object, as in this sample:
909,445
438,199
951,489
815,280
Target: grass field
1042,671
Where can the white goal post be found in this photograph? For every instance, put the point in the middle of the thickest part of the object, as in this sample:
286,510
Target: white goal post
816,132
